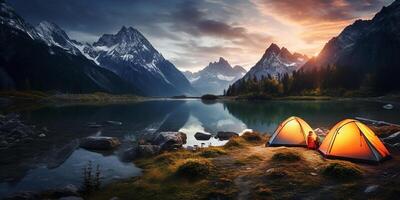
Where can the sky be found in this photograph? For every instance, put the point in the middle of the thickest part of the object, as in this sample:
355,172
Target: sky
192,33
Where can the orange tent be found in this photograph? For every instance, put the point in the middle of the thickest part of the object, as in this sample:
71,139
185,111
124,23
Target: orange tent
291,132
351,139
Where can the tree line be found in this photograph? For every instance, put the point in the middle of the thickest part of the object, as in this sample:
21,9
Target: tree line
330,80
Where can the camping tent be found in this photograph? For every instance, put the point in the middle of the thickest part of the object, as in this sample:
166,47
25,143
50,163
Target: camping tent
351,139
291,132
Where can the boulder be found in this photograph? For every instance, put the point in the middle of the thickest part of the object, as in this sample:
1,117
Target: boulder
42,135
24,196
60,155
393,138
170,140
371,189
226,135
202,136
148,150
130,154
99,143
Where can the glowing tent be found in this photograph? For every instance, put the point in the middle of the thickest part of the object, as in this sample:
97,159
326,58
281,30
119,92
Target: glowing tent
351,139
291,132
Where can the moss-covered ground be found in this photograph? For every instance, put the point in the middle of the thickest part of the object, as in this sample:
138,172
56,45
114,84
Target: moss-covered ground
246,169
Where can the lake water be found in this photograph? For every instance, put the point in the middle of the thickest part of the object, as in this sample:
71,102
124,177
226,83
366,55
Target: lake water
55,161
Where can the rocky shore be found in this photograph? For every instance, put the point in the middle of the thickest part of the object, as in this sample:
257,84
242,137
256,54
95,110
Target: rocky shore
13,131
229,171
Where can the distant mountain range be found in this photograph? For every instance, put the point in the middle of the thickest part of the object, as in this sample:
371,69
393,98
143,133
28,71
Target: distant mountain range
29,63
45,58
365,55
216,77
276,61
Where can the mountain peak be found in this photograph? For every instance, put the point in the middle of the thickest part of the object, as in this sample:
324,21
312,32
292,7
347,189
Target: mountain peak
46,28
239,69
127,30
273,48
223,61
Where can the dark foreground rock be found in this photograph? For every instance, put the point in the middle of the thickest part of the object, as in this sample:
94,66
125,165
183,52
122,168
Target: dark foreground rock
170,140
202,136
148,150
13,131
66,192
59,156
99,143
393,138
226,135
140,151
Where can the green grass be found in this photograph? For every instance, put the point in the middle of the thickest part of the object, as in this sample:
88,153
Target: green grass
194,168
286,157
212,152
342,171
252,136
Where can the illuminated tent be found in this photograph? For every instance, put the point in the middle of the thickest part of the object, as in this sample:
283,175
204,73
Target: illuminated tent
291,132
351,139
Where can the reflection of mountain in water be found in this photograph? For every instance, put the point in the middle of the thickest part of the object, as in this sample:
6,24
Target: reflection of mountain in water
66,124
214,117
266,115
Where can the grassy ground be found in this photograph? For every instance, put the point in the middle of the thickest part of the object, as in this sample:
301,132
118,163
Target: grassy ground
245,169
31,100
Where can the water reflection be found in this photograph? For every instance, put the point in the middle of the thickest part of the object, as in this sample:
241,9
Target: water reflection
56,160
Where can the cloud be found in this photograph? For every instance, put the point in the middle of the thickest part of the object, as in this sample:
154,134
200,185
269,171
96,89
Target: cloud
192,20
313,22
308,11
191,33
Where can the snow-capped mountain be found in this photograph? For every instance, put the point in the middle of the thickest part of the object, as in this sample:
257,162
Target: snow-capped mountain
365,45
276,61
216,77
30,61
53,35
10,18
131,56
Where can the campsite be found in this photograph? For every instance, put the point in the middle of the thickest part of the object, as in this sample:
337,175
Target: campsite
199,99
247,167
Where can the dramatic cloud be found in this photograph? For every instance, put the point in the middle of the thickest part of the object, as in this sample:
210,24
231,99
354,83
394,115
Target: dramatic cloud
313,22
192,33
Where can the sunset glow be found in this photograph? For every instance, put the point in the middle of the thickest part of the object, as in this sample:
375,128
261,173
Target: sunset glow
193,33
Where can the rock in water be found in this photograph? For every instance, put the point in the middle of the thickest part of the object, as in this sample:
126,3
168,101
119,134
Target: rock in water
115,123
388,106
130,154
371,188
59,156
222,135
202,136
170,140
99,143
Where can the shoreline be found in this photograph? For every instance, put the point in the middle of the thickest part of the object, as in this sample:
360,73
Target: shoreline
245,168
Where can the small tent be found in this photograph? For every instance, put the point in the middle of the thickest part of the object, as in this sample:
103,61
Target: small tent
353,140
291,132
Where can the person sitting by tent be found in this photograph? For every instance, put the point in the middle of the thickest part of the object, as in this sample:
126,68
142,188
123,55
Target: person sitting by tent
312,140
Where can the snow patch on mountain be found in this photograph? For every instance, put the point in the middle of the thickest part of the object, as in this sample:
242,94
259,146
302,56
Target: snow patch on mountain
225,78
216,77
276,61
